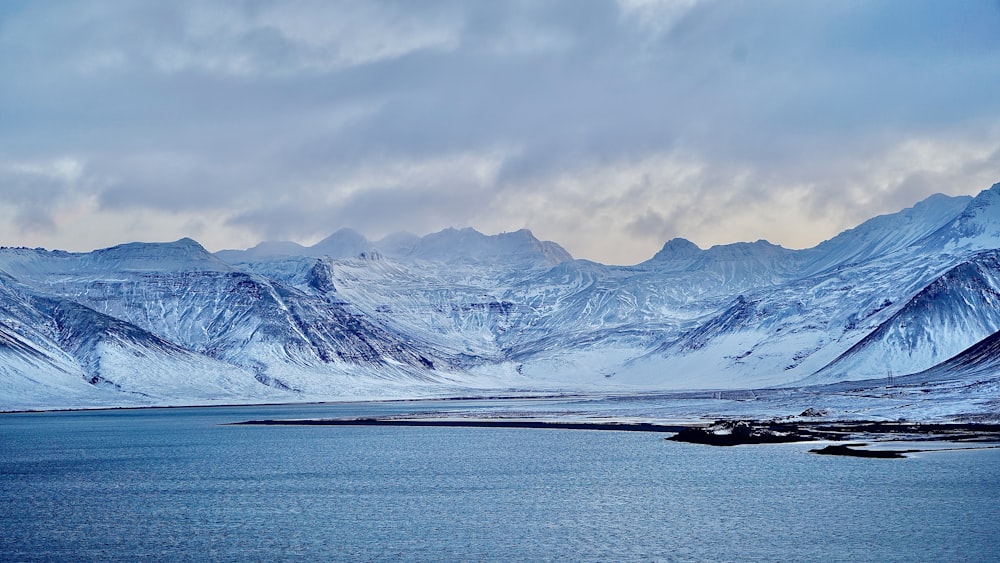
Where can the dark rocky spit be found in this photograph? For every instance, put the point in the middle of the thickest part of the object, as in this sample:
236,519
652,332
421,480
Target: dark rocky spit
847,450
740,432
725,432
473,423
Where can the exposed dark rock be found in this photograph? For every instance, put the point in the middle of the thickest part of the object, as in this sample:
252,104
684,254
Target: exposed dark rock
733,433
846,450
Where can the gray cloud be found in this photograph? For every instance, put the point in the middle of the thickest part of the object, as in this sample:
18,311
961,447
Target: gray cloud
34,189
700,118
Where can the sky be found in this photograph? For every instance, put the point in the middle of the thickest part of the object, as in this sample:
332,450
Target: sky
607,126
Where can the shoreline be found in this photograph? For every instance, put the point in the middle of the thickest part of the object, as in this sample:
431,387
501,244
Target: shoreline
473,423
845,434
733,432
742,431
694,429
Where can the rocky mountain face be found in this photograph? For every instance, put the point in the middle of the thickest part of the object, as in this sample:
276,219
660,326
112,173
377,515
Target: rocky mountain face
170,323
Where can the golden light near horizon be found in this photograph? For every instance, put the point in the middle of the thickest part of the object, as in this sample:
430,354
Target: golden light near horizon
609,127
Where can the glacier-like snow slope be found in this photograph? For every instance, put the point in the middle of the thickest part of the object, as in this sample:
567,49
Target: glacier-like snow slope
456,311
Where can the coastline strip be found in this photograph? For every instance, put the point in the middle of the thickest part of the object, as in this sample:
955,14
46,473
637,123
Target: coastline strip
479,423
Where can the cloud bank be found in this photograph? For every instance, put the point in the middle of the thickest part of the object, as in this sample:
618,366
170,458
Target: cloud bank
607,126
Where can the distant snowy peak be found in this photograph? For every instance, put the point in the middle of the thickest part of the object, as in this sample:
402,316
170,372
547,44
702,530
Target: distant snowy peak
554,253
448,246
345,243
729,267
680,249
977,227
677,249
886,234
948,218
758,250
469,245
266,249
182,255
398,244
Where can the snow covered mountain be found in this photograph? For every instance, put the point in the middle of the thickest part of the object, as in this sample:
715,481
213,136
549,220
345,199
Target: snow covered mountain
955,310
519,248
170,323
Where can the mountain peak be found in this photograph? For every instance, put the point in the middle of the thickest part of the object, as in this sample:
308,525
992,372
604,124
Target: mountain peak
886,234
178,247
683,249
933,200
468,244
986,198
759,244
343,243
523,233
183,254
677,248
342,234
399,243
976,227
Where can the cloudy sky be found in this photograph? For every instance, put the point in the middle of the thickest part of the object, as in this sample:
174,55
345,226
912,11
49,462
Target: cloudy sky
607,126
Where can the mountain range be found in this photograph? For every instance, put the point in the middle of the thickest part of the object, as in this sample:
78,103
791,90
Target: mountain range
914,292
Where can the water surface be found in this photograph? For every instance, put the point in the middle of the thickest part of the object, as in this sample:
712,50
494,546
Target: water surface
178,484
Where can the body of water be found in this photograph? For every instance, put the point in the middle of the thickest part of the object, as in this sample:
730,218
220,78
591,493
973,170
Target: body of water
178,484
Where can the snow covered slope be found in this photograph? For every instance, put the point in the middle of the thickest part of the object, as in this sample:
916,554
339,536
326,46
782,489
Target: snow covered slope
980,359
457,310
887,234
951,313
977,227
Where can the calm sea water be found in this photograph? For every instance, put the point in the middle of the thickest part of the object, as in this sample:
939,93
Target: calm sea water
177,485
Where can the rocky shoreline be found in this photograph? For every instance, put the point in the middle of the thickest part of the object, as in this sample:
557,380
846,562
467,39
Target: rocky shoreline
725,432
741,432
856,450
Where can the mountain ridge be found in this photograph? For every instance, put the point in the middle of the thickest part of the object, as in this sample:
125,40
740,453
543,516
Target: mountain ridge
448,244
458,310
